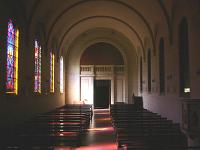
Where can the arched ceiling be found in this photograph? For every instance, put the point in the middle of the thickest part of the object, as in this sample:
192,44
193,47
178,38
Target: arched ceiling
95,53
135,19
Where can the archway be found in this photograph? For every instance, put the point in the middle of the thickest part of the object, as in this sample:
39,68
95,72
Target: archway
72,65
102,67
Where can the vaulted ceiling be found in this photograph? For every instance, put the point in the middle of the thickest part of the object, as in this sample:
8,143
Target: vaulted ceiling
62,21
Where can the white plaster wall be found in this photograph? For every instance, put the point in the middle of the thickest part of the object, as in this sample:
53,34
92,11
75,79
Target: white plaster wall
167,106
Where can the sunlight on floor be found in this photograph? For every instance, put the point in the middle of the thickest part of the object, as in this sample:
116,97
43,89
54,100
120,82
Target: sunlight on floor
102,129
109,146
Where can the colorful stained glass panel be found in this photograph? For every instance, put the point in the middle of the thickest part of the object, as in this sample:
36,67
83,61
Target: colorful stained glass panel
37,76
12,59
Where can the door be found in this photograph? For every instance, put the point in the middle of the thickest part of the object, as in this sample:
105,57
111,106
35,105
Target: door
102,90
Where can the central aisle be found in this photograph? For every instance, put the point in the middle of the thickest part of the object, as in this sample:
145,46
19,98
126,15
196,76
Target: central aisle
100,135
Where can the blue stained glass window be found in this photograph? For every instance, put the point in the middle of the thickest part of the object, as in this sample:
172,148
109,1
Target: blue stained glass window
12,59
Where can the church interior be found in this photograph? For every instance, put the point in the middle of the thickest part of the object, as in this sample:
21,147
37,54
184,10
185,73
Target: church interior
100,74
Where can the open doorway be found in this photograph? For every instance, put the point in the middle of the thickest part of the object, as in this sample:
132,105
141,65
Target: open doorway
102,96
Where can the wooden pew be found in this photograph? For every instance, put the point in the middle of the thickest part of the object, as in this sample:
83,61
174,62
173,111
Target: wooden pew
142,129
62,126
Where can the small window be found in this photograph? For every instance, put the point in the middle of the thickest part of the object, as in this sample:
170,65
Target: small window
52,59
61,75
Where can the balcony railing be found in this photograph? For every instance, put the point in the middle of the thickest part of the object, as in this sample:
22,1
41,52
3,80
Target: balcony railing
101,69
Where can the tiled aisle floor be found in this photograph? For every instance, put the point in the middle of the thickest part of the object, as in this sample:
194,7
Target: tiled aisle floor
100,135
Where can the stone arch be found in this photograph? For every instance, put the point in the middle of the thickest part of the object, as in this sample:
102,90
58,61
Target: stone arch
73,55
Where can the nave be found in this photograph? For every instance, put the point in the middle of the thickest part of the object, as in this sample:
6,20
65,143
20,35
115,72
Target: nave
100,52
79,127
68,127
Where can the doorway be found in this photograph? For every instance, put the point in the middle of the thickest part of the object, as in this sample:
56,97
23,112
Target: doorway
102,96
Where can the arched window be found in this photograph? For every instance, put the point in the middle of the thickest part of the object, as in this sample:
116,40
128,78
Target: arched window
149,69
162,66
184,58
141,67
52,72
37,75
12,59
61,75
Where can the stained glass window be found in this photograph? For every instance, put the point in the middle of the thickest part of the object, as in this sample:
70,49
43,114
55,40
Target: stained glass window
12,59
61,74
52,72
37,80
